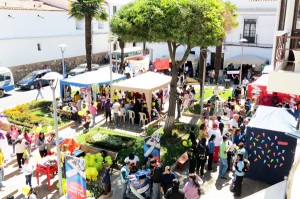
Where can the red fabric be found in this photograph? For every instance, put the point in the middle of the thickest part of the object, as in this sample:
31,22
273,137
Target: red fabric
162,64
71,143
216,154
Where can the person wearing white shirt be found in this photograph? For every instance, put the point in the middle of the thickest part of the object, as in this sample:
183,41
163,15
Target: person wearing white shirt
28,170
239,175
233,122
245,83
215,130
116,108
132,159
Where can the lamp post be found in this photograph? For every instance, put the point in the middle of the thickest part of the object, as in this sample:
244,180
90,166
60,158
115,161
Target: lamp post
242,41
62,49
53,78
204,51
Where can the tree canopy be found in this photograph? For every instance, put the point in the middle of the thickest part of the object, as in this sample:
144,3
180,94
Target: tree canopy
185,22
177,22
81,8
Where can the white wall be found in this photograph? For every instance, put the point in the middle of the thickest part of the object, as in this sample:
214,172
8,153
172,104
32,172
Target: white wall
18,43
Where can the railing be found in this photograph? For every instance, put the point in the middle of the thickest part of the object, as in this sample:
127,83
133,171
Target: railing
281,57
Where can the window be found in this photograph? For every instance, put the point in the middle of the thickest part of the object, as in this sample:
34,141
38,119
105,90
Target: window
115,46
114,9
134,44
79,25
249,30
282,15
39,47
297,16
100,25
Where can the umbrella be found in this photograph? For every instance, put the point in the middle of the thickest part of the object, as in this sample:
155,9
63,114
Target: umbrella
71,143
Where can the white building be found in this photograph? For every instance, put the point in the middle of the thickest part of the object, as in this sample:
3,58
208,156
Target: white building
286,51
32,30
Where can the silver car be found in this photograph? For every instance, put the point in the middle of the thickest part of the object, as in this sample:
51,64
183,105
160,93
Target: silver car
81,68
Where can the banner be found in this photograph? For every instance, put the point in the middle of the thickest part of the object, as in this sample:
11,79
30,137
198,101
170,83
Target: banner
86,94
152,146
140,185
76,177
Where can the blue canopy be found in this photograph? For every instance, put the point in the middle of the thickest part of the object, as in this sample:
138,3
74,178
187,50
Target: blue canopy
100,77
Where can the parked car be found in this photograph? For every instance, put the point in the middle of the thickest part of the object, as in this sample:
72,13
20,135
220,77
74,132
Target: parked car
30,81
6,81
81,68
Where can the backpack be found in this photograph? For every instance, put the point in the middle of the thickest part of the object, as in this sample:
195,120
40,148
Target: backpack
201,152
246,165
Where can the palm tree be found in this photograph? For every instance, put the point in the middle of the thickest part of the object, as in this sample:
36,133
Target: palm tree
229,23
88,10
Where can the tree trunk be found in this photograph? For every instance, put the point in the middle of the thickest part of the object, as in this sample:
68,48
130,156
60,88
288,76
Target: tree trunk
170,121
144,45
201,62
122,46
218,62
88,41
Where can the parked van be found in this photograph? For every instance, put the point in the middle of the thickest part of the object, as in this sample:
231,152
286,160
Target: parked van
30,81
6,81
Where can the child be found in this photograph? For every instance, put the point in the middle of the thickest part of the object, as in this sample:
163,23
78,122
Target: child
28,139
211,150
28,170
31,194
106,182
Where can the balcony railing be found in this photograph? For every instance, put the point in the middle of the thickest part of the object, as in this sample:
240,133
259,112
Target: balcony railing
284,50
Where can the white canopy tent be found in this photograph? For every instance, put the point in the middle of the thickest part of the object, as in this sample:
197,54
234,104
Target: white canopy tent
284,82
246,59
144,83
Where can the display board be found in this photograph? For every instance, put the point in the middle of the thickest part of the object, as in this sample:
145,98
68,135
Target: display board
271,154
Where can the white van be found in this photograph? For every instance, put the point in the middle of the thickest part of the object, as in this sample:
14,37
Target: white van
6,81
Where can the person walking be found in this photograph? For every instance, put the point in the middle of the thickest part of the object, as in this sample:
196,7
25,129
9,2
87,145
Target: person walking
41,144
223,158
21,145
167,179
174,192
28,139
192,155
13,136
107,109
156,178
28,170
39,87
124,177
1,168
192,188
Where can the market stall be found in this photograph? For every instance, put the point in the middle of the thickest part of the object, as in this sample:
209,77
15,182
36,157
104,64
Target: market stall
261,89
271,151
145,83
85,80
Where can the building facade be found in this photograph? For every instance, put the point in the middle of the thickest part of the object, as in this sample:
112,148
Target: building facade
286,53
32,31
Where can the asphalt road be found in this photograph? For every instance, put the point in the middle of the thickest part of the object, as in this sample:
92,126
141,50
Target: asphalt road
18,96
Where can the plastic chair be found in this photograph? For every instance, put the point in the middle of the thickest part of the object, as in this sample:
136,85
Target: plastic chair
123,114
143,118
131,116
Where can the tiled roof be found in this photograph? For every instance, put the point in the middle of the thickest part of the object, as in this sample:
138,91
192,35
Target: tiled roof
27,5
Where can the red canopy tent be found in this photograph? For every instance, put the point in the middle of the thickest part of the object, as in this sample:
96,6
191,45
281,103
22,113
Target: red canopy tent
265,96
163,64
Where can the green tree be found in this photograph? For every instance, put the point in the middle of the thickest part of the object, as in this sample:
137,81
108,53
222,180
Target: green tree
176,22
88,10
229,23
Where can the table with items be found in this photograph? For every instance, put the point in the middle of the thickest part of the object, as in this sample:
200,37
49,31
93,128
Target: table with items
47,166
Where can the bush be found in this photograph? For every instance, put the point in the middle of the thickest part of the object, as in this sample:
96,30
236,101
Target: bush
104,138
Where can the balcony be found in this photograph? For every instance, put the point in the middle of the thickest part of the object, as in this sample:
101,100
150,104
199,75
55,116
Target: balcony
287,53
